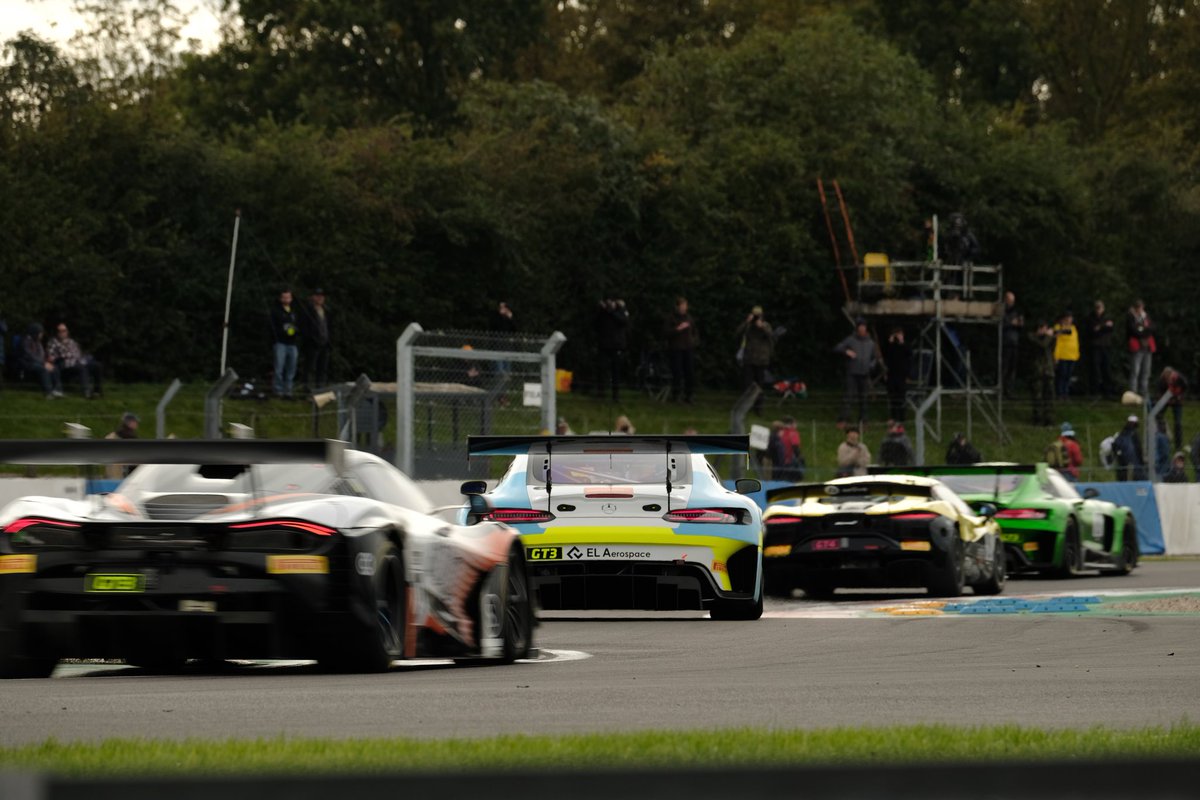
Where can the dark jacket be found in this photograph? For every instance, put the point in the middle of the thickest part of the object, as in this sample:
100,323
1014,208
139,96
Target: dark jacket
315,333
1043,354
1131,464
757,343
686,339
897,357
962,452
864,354
1012,327
33,351
896,450
1100,330
611,326
285,324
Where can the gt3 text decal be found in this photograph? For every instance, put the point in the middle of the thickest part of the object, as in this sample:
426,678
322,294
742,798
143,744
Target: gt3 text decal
544,553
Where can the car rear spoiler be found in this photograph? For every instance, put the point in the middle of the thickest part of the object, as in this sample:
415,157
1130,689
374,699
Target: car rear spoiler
957,469
173,451
702,444
796,491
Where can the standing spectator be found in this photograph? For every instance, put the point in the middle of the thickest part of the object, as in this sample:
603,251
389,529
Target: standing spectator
285,333
612,322
853,457
35,361
787,458
1065,454
1172,382
126,429
1066,354
318,340
858,352
896,449
682,339
897,360
70,361
563,428
1131,465
1139,332
503,320
1162,449
1010,342
1099,336
756,347
962,451
1178,471
1043,374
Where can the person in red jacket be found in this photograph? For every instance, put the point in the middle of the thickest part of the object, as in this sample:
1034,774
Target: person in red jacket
1070,453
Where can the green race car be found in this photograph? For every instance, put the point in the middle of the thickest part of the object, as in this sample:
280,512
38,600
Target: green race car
1046,525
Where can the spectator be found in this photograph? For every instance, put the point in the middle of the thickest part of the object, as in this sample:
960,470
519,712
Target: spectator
1010,344
1043,374
1162,449
787,458
35,361
1139,332
897,360
1099,336
612,321
1172,382
962,451
858,352
285,333
853,457
1127,448
318,340
1066,354
1178,471
755,350
70,361
682,339
623,425
1065,454
896,449
126,429
503,321
563,428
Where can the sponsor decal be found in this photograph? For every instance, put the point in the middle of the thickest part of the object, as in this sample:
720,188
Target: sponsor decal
127,583
298,565
364,564
1029,547
10,565
575,553
544,553
923,547
719,566
639,552
1011,537
776,550
198,606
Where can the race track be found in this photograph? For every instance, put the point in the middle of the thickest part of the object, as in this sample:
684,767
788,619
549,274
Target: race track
797,667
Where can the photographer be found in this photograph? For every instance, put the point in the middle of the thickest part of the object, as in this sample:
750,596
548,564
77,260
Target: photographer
757,345
612,321
897,359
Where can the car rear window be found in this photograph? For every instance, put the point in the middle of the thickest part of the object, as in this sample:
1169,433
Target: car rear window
610,468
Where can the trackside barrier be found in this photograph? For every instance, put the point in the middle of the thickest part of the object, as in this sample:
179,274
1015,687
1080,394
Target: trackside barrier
1139,496
1179,509
1107,780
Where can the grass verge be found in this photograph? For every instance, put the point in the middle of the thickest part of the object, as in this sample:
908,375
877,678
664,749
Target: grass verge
739,747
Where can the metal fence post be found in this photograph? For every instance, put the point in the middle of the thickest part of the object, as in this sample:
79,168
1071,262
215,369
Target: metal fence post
404,397
919,421
349,430
160,411
550,382
212,404
1151,435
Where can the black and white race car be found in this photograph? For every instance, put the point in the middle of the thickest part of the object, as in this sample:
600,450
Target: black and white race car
250,550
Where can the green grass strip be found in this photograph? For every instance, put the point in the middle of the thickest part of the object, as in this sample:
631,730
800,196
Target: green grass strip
737,747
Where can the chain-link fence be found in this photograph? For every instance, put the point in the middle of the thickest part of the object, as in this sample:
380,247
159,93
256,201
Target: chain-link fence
451,384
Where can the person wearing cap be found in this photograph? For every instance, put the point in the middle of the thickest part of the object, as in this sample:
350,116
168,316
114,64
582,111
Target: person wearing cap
318,340
756,349
285,334
1070,454
1127,447
859,353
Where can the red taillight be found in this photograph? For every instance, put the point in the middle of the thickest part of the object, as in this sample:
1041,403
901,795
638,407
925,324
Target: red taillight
16,526
784,519
703,515
1021,513
307,527
517,516
915,516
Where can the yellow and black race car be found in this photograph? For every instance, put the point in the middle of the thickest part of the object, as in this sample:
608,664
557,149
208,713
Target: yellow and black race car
887,531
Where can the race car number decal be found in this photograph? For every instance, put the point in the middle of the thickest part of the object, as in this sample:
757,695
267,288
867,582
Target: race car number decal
298,565
10,565
124,582
826,544
1011,537
544,553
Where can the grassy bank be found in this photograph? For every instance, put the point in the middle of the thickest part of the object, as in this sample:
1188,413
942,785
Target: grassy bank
743,747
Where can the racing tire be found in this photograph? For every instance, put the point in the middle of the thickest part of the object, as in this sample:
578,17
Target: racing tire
994,583
948,581
737,610
379,644
1127,559
1069,567
508,597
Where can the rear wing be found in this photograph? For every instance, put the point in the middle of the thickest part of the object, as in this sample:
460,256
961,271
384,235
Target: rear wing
173,451
957,469
700,444
797,491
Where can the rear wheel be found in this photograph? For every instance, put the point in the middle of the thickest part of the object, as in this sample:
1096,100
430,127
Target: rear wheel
1070,565
1128,557
381,642
507,605
948,581
994,582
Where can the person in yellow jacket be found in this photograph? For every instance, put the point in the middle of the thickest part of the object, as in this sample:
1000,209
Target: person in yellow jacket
1066,354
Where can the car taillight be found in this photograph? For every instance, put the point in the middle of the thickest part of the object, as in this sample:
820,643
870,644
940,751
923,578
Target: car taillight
784,519
517,516
34,533
703,515
1021,513
915,516
307,527
18,525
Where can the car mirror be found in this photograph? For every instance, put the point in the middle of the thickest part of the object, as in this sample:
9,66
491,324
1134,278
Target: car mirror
1091,492
986,510
478,505
747,485
473,487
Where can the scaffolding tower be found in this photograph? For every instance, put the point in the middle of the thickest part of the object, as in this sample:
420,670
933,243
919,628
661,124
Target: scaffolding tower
940,298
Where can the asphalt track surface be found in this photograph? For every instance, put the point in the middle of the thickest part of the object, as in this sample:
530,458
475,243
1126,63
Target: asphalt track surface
611,672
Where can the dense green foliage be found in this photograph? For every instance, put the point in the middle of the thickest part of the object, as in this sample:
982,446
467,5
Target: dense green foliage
423,160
